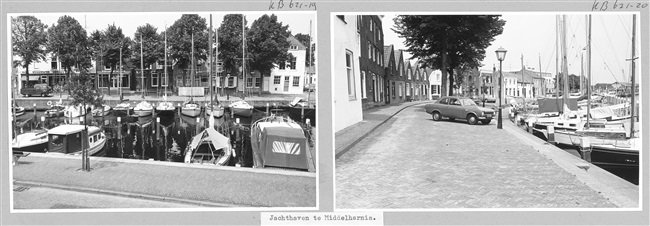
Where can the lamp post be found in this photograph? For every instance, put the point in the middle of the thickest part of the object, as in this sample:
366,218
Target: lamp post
501,55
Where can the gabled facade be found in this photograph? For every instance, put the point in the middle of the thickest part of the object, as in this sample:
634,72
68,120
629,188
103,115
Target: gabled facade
345,71
397,81
391,73
408,80
288,78
371,60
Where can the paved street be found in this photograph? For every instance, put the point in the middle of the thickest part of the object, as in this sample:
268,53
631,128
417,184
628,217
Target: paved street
413,162
27,197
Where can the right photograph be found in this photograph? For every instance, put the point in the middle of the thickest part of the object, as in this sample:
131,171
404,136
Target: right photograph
502,110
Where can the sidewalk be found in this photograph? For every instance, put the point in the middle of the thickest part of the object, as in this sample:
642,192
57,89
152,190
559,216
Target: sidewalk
372,118
165,181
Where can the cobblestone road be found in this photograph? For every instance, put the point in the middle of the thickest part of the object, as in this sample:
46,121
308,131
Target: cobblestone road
414,162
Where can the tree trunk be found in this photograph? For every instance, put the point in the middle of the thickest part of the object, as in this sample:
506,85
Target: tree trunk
451,82
443,69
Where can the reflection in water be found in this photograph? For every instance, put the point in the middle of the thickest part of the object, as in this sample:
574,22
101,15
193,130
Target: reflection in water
155,137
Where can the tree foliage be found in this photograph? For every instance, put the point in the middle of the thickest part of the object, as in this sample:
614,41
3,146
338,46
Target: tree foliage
305,39
179,40
267,43
82,91
29,40
230,42
67,40
153,46
461,39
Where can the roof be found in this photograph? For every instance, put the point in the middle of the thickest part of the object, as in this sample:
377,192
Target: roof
294,42
70,129
387,52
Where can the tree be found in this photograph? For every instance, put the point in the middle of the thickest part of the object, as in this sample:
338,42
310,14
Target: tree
29,39
267,44
67,41
152,47
230,42
180,40
447,42
84,93
574,82
107,44
305,39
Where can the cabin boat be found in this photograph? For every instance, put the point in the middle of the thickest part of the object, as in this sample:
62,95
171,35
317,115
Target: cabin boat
32,141
143,109
165,107
55,111
241,108
67,139
278,141
216,110
75,111
191,109
209,147
104,110
123,108
620,154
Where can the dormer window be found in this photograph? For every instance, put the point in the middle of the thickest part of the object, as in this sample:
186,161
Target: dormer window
293,47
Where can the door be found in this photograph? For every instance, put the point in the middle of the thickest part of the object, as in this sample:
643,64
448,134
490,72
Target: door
455,108
286,83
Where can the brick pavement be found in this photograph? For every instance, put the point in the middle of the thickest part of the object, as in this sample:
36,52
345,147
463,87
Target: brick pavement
413,162
225,186
372,118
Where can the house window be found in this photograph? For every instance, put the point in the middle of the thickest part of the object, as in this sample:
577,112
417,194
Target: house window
348,65
163,81
371,24
363,85
293,63
258,82
392,91
434,89
369,50
400,90
154,79
276,80
54,63
231,81
296,81
282,65
249,82
293,47
358,24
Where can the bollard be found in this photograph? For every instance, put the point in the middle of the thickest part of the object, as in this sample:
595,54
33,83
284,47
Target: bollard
43,122
585,148
302,113
518,120
178,106
157,123
531,125
551,134
267,109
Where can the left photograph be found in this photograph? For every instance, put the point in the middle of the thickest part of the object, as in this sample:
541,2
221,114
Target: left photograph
163,110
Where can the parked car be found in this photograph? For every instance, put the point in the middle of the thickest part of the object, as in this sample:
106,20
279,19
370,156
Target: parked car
459,107
37,89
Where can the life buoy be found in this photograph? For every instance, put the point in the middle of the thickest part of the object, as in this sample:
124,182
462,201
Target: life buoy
49,103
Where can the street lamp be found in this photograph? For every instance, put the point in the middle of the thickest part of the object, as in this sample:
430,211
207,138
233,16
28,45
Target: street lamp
501,55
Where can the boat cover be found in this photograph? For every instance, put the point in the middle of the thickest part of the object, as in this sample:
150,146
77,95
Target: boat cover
555,104
280,146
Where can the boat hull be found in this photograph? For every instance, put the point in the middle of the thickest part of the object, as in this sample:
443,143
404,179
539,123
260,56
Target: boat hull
142,113
309,113
245,112
192,112
35,147
609,155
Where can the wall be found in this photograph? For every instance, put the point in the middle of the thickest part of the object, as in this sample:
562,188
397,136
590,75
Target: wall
347,111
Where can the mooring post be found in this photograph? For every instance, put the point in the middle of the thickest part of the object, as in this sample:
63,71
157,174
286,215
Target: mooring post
119,136
267,109
585,148
198,119
551,133
238,143
302,113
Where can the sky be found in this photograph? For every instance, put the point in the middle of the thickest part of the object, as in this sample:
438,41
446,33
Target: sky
298,21
532,35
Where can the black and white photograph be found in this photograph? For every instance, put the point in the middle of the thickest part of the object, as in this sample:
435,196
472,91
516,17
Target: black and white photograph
162,110
486,111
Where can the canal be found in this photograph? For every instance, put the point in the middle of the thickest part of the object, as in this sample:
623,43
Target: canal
160,137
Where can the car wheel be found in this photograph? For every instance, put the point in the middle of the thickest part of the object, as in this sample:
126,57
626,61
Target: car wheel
487,121
436,116
472,120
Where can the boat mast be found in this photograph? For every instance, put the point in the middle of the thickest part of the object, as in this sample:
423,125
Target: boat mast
243,52
210,58
192,69
166,62
557,53
309,64
588,69
565,69
216,59
141,65
633,89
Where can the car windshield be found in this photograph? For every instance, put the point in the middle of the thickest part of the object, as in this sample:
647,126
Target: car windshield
467,102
